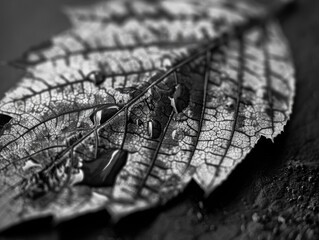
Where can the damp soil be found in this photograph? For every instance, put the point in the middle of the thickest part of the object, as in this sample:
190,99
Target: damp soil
272,194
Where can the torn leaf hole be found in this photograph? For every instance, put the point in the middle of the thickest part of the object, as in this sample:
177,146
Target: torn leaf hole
4,119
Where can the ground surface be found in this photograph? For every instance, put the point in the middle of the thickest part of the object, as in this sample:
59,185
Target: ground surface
273,194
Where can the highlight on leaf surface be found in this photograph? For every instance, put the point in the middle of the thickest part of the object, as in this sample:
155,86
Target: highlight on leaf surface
137,99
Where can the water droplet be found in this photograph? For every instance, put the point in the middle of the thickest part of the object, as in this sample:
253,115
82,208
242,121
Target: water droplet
104,170
96,77
102,115
154,129
180,99
178,134
30,164
230,104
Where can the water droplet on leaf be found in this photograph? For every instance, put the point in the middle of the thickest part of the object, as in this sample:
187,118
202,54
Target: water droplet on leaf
96,77
104,170
102,115
230,104
154,128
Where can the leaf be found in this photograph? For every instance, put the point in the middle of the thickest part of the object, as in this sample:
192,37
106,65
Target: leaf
137,99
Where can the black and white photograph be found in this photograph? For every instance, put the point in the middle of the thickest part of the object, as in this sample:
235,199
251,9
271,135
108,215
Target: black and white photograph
159,119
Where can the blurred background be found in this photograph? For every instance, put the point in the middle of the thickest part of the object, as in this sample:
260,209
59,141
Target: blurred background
27,23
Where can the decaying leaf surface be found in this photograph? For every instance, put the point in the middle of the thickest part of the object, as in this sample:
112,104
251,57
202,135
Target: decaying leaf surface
137,99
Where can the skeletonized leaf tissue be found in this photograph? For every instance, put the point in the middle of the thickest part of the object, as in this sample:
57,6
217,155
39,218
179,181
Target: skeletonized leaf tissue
137,99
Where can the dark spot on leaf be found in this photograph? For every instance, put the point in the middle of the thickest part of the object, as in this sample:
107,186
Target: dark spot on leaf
105,113
154,129
171,182
269,112
160,164
96,77
104,170
240,121
73,139
178,134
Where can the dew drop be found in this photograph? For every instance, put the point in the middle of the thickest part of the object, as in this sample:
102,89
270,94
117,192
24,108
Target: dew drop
96,77
104,170
230,104
154,129
30,164
101,116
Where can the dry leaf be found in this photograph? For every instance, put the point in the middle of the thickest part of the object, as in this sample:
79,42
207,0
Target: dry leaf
137,99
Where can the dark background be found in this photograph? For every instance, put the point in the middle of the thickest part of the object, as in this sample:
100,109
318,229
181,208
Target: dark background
26,23
273,194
